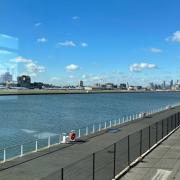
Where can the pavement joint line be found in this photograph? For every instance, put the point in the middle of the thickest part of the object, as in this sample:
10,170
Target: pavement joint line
139,159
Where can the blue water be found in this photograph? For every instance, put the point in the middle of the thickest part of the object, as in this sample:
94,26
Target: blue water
25,118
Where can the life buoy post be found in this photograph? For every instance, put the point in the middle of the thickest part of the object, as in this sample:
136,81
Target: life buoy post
72,136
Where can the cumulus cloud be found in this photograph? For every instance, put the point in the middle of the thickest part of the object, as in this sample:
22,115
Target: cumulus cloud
141,66
4,52
72,67
175,37
42,40
66,44
20,59
31,67
83,44
76,18
155,50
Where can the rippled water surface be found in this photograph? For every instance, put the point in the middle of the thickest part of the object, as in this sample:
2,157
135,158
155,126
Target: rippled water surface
24,118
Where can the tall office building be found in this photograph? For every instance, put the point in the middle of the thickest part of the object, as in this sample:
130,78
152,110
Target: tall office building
81,84
6,77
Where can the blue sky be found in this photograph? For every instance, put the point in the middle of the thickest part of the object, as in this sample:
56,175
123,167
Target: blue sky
64,41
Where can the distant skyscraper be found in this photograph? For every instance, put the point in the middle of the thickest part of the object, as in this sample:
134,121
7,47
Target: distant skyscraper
6,77
171,83
164,85
81,84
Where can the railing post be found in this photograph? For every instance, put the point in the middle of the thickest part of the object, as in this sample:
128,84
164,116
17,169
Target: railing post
36,148
4,155
114,174
93,129
110,124
60,138
79,133
21,151
123,119
115,123
49,141
99,126
119,121
86,131
93,166
105,125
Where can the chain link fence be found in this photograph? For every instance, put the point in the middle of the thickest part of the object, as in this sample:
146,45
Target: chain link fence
107,163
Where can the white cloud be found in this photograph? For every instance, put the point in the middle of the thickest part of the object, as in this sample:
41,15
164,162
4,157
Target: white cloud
42,40
76,18
31,67
38,24
4,52
83,44
8,37
155,50
66,44
175,37
72,68
141,66
20,59
34,68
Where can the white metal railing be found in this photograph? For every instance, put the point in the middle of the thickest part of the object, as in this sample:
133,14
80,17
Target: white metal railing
12,152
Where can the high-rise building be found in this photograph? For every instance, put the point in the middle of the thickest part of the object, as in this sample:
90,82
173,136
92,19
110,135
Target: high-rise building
171,84
81,84
6,77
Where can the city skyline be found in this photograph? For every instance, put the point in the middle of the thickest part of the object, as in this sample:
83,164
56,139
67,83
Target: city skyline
64,42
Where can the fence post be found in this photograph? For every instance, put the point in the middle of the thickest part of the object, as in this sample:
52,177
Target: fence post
149,137
140,142
36,148
128,151
156,132
110,124
114,173
162,128
62,173
21,151
93,166
119,121
167,119
105,125
4,155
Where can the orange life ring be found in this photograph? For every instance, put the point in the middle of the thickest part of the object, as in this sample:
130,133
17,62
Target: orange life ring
72,136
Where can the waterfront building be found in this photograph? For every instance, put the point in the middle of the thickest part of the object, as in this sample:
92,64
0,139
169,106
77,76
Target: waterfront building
123,86
24,81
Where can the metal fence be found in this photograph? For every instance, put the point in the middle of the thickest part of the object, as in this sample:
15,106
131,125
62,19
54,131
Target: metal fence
107,163
20,150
